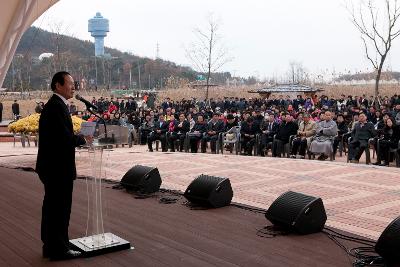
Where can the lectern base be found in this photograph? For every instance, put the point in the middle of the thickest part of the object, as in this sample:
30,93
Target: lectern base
100,244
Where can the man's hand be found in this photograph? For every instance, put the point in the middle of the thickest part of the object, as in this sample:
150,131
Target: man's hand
158,131
89,139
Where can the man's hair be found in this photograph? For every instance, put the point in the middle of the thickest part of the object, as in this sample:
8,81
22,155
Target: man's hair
58,78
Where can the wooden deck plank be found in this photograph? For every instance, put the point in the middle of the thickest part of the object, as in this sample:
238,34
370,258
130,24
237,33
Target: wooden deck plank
163,235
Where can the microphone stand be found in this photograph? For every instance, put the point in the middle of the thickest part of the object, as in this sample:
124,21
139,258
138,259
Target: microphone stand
105,139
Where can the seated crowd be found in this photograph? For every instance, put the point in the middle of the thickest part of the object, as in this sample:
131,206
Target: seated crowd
295,127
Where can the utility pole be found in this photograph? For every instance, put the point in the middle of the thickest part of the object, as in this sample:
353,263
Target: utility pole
158,51
140,86
13,75
95,67
119,79
149,82
130,79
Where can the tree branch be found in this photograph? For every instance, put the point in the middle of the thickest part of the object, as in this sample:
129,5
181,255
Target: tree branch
375,64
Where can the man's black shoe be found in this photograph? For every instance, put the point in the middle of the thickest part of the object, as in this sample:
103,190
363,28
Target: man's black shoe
45,252
70,254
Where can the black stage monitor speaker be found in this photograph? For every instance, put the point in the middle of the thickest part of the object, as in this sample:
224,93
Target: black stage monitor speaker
142,178
297,213
209,191
388,244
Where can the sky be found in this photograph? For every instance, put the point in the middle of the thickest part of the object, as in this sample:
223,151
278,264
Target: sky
262,36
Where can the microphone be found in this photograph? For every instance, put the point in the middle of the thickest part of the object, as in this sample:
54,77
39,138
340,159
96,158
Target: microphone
87,103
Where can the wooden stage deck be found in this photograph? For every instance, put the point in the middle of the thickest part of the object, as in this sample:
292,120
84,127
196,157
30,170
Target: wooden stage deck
163,235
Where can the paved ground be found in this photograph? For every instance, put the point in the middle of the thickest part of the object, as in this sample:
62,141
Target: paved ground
359,199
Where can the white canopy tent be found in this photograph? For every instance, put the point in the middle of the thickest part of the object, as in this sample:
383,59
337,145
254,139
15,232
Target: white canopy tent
15,17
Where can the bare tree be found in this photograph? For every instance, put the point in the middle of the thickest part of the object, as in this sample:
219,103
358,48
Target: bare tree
378,25
297,73
60,32
207,53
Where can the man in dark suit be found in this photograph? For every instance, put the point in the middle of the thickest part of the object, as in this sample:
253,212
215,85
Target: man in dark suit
269,129
159,133
181,128
56,168
361,133
248,132
214,128
131,105
15,109
287,128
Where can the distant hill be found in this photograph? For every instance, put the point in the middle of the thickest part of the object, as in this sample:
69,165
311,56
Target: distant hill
386,76
77,57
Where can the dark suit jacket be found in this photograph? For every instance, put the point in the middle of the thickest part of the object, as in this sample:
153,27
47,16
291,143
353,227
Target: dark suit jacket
15,108
285,130
185,127
56,154
200,127
363,133
252,129
218,127
163,127
274,128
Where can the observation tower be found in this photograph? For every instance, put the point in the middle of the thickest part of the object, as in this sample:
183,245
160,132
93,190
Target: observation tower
98,27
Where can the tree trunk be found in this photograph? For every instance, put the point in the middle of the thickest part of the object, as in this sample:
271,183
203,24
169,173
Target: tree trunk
207,84
378,78
209,61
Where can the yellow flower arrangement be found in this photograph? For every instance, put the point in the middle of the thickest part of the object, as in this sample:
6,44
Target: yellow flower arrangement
76,123
30,124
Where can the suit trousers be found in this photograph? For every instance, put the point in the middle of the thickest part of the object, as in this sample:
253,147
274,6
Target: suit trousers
209,138
277,148
357,148
384,149
194,141
176,136
299,144
247,144
156,136
56,212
